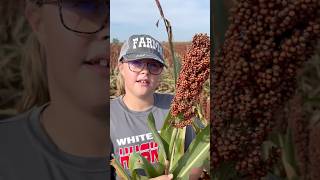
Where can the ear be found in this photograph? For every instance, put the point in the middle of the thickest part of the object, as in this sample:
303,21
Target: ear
33,15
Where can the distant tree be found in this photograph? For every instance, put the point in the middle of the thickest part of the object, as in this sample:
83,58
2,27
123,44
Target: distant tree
115,41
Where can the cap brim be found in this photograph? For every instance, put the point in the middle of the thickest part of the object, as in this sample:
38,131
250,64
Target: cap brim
132,57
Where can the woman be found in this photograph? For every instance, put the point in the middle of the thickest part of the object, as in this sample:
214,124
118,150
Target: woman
65,133
141,63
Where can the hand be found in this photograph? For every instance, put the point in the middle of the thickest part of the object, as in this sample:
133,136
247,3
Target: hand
195,173
163,177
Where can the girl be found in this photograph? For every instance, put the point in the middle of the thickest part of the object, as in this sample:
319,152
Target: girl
140,65
62,132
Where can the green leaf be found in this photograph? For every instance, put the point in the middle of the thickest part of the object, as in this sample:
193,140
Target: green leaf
173,140
288,155
176,147
195,156
289,147
162,148
119,169
167,129
166,135
136,161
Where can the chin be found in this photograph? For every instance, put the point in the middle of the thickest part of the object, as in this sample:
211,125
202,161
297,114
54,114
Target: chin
147,94
97,107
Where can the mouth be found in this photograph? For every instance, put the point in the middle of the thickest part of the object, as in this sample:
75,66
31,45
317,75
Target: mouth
143,81
99,61
99,64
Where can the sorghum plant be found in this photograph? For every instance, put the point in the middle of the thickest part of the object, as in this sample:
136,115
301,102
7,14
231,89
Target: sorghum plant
254,75
194,72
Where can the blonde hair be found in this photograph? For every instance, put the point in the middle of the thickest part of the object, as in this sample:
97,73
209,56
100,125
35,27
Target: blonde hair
34,76
120,83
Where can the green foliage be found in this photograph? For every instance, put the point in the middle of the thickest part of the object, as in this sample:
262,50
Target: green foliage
158,139
120,171
195,156
138,162
172,158
115,41
288,156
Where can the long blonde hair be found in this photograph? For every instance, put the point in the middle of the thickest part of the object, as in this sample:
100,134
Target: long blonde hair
34,75
120,83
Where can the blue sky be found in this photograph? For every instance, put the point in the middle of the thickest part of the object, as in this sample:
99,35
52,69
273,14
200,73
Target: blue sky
187,17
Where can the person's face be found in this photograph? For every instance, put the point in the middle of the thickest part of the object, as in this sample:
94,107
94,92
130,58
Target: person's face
137,77
77,64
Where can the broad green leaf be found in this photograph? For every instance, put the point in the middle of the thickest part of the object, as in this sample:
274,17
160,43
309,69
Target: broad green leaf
167,129
119,169
287,155
162,157
176,147
289,147
166,133
195,156
172,143
173,140
137,161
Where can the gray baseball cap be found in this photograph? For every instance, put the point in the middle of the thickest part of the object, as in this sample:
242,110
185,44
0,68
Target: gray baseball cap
141,47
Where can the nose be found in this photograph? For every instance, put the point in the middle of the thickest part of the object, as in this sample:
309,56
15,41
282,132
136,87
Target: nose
145,69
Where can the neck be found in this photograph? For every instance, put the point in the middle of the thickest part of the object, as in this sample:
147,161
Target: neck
76,131
138,103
